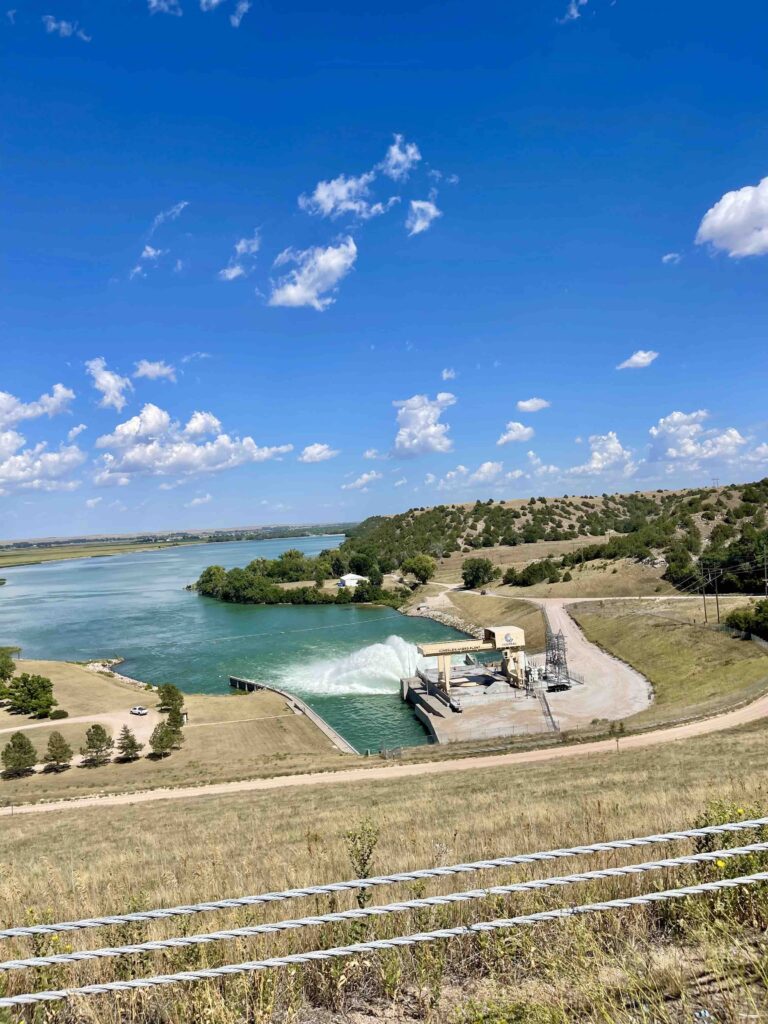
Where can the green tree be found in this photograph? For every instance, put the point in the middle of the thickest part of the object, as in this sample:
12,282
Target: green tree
19,757
421,566
30,694
7,667
476,571
98,747
170,696
162,740
175,723
128,747
58,753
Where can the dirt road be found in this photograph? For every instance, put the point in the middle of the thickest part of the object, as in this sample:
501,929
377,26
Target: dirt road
730,720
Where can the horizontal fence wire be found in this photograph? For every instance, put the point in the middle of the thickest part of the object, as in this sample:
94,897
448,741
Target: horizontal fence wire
359,913
251,966
366,883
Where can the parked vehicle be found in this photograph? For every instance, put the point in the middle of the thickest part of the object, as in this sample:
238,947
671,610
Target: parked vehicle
139,710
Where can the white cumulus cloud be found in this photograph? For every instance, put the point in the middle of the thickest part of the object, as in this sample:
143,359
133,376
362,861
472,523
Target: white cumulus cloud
401,158
13,410
36,468
151,445
151,422
318,453
533,404
345,195
202,423
110,384
682,437
486,473
316,276
419,426
606,452
515,431
738,222
92,502
202,499
639,360
448,373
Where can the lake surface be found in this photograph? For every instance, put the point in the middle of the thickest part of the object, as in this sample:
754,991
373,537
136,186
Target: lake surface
346,662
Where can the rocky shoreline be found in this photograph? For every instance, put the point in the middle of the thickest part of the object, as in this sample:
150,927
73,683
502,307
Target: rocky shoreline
108,665
450,619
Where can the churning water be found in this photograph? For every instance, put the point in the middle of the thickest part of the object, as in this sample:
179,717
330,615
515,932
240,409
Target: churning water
346,662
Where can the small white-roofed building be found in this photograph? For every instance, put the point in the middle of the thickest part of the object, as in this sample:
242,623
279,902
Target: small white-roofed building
351,579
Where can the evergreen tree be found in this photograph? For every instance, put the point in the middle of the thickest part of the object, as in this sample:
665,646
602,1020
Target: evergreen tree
170,696
175,723
19,757
30,694
58,754
7,668
98,747
128,747
161,741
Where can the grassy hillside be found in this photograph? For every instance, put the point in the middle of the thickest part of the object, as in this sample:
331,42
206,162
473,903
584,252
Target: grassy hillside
694,669
717,534
659,964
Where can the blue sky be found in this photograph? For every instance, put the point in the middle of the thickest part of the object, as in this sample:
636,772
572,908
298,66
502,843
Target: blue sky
308,262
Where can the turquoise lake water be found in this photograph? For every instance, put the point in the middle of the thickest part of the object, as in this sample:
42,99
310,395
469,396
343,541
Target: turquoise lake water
346,662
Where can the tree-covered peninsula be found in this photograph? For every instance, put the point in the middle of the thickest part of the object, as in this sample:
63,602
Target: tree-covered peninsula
286,580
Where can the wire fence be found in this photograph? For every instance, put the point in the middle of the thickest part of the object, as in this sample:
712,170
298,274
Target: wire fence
719,857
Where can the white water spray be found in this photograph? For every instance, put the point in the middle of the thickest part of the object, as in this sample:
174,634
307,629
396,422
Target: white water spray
376,669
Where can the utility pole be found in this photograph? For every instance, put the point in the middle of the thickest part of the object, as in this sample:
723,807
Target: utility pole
704,596
714,578
765,570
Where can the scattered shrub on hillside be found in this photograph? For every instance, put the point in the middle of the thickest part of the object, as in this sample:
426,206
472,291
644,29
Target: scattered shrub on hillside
58,713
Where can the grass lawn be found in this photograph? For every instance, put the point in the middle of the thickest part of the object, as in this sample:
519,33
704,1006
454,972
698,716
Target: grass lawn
230,736
694,670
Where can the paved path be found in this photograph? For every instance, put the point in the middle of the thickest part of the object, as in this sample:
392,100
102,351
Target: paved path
729,720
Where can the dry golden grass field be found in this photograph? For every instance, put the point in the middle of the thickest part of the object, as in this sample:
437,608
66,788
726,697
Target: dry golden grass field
658,963
33,556
501,611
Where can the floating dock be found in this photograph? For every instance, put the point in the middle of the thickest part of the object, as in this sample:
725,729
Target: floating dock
298,706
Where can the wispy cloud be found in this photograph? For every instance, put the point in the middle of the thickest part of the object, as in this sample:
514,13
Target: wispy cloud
448,373
361,483
164,7
421,214
572,12
241,9
202,499
638,360
243,258
170,214
671,257
63,29
159,370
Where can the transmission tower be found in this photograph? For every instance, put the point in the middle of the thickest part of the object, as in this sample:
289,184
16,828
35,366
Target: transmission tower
556,667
